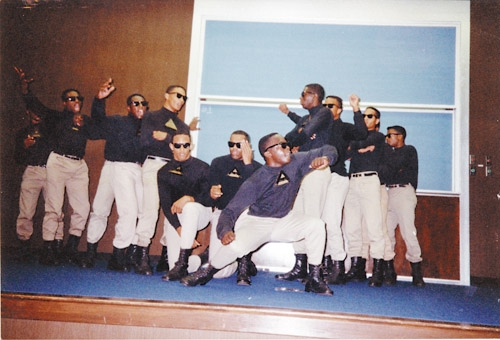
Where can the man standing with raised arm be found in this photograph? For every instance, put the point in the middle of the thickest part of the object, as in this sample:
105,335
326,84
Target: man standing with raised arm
120,179
66,170
363,199
310,132
341,134
158,128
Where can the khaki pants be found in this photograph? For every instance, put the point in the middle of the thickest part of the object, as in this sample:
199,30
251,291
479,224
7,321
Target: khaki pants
34,181
401,211
252,231
146,225
73,176
363,203
120,182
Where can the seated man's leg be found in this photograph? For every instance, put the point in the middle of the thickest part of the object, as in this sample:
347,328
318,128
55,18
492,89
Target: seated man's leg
250,233
215,245
194,217
295,227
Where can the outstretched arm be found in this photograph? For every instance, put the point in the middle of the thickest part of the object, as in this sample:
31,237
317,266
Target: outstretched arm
106,89
25,81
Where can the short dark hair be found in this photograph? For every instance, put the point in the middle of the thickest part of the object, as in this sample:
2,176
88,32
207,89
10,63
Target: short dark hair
65,92
171,87
318,89
182,132
129,98
374,109
399,129
341,103
263,142
243,133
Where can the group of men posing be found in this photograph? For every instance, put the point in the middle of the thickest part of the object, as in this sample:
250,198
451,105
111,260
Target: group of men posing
302,194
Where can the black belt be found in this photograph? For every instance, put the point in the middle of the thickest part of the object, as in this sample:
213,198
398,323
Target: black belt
40,165
158,158
75,158
397,185
361,174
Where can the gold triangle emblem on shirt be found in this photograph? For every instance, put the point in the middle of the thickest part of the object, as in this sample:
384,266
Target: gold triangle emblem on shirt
282,179
234,173
176,171
170,124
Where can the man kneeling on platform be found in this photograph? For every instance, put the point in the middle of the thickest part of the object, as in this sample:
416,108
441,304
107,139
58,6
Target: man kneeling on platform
262,212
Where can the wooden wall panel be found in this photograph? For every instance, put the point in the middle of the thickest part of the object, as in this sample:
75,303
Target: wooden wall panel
438,231
143,45
484,128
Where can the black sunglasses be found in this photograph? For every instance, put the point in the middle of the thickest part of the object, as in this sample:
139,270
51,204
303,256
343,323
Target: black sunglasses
303,94
389,135
231,144
329,105
369,116
185,145
284,145
143,103
179,96
74,98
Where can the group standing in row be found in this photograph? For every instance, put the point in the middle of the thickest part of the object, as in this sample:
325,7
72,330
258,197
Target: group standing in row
302,187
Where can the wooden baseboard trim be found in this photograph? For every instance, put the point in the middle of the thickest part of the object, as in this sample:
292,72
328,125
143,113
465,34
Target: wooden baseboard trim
197,316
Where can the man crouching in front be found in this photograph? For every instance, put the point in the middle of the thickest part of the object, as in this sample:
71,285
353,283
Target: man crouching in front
261,212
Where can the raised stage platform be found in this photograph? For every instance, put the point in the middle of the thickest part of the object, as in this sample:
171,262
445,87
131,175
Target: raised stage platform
70,302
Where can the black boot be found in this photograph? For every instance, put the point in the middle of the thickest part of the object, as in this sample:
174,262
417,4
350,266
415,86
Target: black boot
204,256
71,249
357,272
118,261
416,272
24,251
298,272
246,268
180,269
88,261
132,256
162,265
143,266
251,267
315,282
390,275
57,246
199,277
48,256
326,266
337,274
377,273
